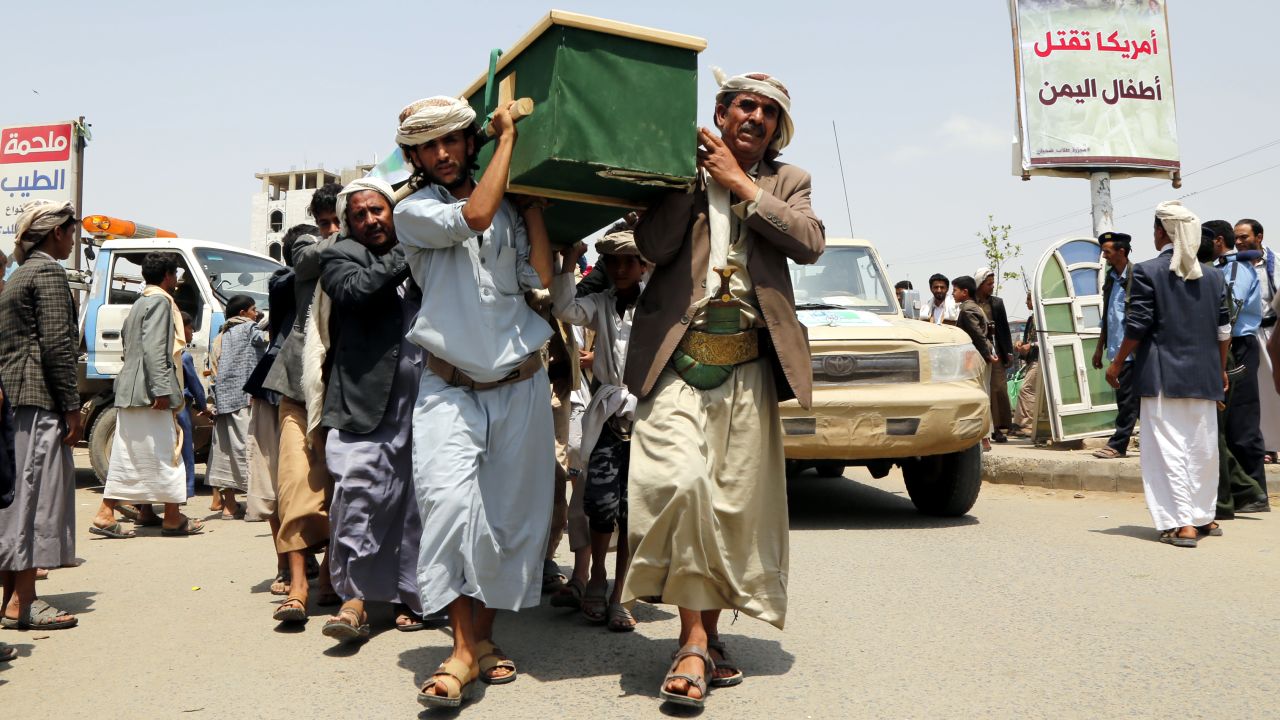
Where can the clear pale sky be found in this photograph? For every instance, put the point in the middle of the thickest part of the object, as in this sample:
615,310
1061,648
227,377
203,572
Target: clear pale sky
188,101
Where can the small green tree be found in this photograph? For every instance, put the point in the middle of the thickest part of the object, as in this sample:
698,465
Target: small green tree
999,251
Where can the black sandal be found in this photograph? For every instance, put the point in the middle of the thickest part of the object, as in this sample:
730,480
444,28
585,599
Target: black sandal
736,675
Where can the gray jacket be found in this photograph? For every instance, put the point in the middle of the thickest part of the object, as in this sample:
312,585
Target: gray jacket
149,371
241,347
286,374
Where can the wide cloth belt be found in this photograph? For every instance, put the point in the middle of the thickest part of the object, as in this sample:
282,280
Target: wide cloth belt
712,349
453,376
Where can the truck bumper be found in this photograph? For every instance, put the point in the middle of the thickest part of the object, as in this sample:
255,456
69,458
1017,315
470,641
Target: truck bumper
886,422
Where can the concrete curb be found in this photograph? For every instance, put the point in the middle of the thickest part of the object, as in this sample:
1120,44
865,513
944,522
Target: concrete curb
1072,472
1076,470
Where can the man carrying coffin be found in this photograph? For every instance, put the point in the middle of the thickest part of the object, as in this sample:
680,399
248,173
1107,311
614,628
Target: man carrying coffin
714,348
484,447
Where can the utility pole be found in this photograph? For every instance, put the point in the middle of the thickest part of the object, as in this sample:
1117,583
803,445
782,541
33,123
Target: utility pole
79,131
1100,201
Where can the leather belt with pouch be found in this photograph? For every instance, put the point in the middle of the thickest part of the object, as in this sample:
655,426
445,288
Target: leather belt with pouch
705,358
453,376
712,349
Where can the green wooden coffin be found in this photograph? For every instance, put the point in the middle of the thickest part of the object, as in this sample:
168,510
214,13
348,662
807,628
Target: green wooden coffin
615,120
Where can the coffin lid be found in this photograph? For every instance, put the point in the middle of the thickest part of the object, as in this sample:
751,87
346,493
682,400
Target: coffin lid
587,22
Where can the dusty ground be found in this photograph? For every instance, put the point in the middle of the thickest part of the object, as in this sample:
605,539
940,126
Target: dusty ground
1039,604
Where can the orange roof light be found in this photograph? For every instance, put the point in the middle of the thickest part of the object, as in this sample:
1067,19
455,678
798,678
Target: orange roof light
105,226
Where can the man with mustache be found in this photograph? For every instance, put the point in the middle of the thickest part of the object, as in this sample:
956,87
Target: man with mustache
715,346
374,525
483,455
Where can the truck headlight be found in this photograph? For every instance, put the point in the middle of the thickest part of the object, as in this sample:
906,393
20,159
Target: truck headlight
952,363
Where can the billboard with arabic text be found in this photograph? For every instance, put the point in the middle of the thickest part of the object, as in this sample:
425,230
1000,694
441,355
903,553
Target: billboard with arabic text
1095,84
36,162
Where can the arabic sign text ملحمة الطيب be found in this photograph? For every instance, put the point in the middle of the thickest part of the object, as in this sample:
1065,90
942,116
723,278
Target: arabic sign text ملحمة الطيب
36,181
38,143
36,162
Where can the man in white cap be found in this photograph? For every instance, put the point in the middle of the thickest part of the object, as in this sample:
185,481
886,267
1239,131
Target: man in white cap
992,307
484,449
1179,328
373,519
715,346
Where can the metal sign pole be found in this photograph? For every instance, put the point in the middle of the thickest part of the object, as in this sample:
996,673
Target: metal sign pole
79,131
1100,195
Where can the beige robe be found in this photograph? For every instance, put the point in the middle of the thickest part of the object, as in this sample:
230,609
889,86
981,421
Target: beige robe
709,530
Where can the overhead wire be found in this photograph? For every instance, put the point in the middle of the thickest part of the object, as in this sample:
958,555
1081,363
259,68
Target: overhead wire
1062,233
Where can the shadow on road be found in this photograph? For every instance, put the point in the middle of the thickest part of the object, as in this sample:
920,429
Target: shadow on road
552,644
827,503
77,603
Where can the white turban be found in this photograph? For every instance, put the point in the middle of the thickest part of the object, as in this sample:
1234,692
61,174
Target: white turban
981,275
1183,228
360,185
38,217
768,86
431,118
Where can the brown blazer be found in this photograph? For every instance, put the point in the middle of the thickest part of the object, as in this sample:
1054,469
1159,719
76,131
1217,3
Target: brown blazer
676,237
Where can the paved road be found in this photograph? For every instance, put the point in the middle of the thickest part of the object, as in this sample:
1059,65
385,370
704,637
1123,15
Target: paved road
1038,605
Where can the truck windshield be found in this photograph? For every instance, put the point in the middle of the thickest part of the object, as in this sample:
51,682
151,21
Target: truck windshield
844,277
232,273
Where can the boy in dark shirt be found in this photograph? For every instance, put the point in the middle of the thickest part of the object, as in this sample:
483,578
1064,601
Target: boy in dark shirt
974,323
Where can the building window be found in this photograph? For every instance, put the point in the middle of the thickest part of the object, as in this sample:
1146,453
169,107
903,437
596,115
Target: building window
277,220
274,251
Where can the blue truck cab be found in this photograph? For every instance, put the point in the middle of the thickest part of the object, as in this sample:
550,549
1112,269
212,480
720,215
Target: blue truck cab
209,273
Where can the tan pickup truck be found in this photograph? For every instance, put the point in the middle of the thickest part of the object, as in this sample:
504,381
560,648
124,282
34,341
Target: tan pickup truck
887,390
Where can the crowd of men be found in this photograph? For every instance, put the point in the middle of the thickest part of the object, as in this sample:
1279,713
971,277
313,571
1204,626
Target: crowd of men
434,378
438,394
1187,341
970,303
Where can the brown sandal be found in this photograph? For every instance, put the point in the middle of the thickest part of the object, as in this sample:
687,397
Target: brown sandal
490,657
292,610
451,672
342,630
708,666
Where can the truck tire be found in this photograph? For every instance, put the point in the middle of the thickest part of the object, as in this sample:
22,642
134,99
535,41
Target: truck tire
945,485
101,434
829,468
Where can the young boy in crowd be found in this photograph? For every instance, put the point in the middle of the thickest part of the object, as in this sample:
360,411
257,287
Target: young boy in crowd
236,352
193,391
971,319
606,423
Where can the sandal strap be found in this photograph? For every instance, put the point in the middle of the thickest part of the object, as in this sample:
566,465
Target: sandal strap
698,682
42,613
695,651
491,657
454,669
